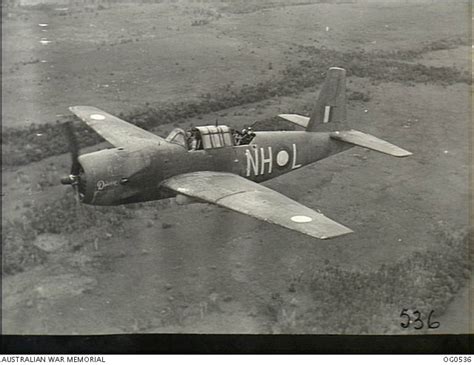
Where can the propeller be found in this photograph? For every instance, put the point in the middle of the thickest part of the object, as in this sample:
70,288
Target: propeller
73,178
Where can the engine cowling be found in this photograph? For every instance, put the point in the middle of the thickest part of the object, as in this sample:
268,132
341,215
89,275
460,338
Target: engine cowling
107,176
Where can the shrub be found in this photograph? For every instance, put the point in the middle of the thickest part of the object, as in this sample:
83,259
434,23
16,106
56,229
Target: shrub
358,95
62,216
348,301
18,252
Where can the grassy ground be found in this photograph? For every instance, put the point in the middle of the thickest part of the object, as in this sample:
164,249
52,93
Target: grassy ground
192,268
126,56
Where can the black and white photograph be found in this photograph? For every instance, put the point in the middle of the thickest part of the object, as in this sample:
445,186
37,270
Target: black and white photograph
236,167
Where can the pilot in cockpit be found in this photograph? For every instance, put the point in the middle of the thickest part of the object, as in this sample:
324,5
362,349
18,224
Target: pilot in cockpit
246,136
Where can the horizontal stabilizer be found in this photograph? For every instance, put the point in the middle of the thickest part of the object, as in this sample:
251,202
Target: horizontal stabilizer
300,120
368,141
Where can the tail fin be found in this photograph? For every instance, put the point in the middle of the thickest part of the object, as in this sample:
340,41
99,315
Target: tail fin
331,104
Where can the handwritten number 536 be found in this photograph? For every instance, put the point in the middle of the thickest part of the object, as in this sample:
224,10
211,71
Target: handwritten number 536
416,321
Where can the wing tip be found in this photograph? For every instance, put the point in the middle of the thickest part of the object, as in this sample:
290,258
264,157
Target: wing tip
82,108
403,153
341,233
89,114
75,107
370,142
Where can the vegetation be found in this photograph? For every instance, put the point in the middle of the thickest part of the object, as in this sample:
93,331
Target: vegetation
61,216
36,142
424,281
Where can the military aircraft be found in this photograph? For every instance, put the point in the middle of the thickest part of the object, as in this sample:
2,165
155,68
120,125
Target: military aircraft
218,165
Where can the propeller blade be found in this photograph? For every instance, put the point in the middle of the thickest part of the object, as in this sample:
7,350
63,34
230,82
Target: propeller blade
73,148
73,178
76,194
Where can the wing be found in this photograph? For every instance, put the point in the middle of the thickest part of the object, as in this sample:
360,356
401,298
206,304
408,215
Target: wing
114,130
247,197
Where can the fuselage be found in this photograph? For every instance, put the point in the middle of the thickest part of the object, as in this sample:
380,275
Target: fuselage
119,175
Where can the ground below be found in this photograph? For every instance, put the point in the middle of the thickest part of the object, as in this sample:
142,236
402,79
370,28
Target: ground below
199,268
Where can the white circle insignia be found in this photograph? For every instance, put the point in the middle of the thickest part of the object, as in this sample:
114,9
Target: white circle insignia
282,158
301,219
97,116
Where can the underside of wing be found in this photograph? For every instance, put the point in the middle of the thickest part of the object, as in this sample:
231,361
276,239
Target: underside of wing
114,130
247,197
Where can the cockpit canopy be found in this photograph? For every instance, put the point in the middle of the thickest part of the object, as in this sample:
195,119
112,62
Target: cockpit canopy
178,136
205,137
215,136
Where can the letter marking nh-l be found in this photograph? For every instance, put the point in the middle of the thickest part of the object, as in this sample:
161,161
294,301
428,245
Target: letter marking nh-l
251,161
268,160
294,165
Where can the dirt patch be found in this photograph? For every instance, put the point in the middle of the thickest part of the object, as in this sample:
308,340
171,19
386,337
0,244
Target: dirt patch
64,285
50,242
40,287
458,57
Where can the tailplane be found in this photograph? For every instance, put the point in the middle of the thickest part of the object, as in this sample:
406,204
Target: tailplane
329,115
331,104
368,141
